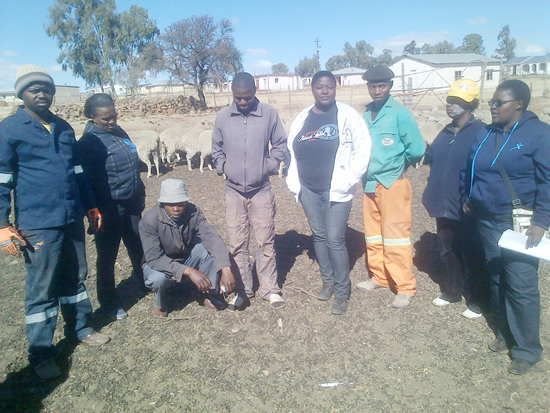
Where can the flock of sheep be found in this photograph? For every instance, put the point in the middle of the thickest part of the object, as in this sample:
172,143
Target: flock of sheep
154,148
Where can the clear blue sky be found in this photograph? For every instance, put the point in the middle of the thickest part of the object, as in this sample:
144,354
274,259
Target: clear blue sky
269,32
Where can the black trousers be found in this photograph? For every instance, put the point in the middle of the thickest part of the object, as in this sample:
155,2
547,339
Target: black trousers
120,222
465,271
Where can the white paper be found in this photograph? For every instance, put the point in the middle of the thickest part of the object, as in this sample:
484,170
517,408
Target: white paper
515,241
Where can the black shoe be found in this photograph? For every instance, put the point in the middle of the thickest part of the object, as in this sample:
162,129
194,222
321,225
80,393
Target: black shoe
238,303
519,367
498,345
325,292
340,306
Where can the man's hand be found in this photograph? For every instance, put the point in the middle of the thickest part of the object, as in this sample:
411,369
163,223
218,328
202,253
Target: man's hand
9,238
466,209
95,218
199,279
227,280
534,235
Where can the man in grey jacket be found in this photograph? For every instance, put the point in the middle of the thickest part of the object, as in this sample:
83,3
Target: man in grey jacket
178,242
240,150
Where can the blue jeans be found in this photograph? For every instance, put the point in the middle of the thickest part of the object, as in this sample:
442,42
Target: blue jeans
328,222
515,297
55,260
159,282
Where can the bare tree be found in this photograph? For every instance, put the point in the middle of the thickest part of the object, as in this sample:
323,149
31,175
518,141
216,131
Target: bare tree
197,50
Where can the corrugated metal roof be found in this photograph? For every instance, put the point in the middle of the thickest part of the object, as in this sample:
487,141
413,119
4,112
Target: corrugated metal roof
451,58
349,71
527,60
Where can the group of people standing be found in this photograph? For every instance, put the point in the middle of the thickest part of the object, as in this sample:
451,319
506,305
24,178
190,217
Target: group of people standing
58,180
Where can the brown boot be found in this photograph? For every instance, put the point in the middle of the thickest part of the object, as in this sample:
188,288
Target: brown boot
157,312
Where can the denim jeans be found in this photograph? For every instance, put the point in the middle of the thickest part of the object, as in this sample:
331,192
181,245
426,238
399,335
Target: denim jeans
55,260
328,221
515,297
159,282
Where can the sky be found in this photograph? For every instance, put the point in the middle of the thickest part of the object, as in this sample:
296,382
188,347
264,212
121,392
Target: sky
269,32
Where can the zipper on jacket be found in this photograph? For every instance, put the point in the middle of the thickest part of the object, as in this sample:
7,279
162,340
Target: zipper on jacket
245,141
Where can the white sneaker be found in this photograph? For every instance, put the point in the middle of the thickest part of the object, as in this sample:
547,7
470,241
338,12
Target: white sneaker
440,302
470,314
276,301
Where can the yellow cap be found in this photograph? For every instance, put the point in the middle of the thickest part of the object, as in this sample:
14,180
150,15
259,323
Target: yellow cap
465,89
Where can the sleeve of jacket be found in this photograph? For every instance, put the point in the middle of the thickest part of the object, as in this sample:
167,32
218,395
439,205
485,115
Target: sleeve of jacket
7,178
212,241
541,159
411,137
278,144
361,141
86,193
218,155
154,254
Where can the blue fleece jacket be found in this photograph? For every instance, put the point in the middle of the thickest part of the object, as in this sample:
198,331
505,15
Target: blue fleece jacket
447,156
524,150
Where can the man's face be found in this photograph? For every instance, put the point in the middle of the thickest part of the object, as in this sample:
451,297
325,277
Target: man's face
175,211
38,97
244,98
379,91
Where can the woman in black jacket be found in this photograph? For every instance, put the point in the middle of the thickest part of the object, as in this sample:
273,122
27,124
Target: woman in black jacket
111,164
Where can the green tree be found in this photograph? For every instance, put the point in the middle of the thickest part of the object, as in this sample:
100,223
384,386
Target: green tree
308,67
197,50
279,69
411,48
506,44
384,59
472,43
85,32
359,56
444,47
337,62
137,52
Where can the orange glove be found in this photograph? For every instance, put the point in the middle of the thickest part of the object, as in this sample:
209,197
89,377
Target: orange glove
95,218
9,239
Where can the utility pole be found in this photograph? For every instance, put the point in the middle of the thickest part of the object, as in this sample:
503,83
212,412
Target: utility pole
318,48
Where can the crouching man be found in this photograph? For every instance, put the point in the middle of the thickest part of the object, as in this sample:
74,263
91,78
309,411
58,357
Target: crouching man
178,242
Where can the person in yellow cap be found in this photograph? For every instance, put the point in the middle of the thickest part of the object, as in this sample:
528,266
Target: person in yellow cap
464,270
40,164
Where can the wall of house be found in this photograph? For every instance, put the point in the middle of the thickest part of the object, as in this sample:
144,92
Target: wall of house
351,80
426,77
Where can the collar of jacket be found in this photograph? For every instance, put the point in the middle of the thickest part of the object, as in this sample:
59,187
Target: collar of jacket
388,104
26,118
256,109
527,116
190,211
470,121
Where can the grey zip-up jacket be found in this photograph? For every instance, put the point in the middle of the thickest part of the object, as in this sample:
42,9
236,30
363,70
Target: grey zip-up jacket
240,146
167,246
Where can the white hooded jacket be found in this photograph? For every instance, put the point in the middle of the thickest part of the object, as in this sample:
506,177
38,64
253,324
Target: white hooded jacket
352,156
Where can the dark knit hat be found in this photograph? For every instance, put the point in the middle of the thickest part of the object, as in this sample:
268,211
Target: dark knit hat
378,73
28,74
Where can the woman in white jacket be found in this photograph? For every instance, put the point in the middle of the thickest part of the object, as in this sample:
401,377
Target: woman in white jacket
329,146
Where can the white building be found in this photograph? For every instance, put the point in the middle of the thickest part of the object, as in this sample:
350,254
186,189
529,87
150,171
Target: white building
439,71
349,76
527,65
277,83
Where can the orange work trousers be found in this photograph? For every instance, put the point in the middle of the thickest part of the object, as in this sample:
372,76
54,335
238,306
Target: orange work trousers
387,219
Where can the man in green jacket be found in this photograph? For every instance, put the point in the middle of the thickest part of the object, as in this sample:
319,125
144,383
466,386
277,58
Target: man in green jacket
396,144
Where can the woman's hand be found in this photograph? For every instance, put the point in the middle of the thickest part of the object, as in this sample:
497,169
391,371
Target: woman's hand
466,209
534,235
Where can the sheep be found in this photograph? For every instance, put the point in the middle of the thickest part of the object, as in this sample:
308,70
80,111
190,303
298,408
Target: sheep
172,142
148,148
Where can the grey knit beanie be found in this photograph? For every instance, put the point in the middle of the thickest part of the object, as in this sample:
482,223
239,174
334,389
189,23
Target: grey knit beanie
28,74
173,191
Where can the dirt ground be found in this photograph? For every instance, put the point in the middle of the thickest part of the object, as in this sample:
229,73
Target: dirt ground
299,358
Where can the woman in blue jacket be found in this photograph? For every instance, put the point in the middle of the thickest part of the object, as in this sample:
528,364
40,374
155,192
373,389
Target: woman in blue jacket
111,164
518,143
